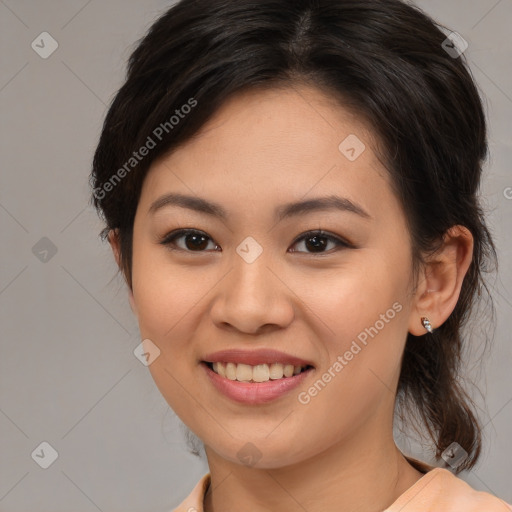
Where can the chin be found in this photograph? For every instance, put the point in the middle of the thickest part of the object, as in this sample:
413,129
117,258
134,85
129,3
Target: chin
260,454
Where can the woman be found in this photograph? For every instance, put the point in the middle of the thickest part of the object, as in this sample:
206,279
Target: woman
290,189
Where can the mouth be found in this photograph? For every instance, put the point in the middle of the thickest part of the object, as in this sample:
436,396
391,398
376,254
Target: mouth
256,373
257,384
255,377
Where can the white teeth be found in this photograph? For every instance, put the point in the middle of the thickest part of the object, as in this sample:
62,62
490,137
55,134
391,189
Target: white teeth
221,369
243,372
259,373
276,371
231,371
288,370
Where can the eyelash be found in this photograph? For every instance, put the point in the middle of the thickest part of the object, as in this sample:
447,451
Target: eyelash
168,240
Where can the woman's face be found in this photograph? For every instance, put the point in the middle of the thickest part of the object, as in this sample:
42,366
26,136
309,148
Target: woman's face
254,281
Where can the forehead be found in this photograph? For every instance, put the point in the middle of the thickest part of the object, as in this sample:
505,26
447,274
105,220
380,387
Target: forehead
282,119
275,145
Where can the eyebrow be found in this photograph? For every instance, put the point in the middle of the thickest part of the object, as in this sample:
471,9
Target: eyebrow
284,211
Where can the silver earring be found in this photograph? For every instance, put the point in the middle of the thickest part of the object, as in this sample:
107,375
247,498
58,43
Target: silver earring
426,323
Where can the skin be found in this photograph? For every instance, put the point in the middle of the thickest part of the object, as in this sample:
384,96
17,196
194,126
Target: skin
262,149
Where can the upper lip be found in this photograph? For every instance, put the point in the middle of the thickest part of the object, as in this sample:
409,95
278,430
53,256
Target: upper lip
255,357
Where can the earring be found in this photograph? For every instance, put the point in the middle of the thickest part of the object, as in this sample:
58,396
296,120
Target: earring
426,323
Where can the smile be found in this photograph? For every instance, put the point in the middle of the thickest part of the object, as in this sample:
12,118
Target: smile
250,391
258,373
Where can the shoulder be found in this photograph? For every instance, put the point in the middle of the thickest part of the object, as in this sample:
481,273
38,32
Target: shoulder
194,501
439,489
462,496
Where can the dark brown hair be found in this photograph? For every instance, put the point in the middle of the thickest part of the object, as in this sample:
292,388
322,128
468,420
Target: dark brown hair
385,60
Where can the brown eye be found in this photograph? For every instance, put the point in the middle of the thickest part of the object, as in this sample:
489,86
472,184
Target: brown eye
317,241
193,240
197,241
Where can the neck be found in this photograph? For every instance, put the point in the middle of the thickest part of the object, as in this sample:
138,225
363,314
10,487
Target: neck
366,473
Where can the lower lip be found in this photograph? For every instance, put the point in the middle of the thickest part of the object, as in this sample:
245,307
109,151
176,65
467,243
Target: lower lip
253,393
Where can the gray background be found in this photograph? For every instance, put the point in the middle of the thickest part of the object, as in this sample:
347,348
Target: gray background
68,374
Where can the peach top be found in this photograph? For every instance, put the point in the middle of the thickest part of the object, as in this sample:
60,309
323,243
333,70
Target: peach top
438,490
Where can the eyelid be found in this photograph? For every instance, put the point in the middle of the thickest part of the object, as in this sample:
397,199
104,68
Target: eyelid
323,234
168,239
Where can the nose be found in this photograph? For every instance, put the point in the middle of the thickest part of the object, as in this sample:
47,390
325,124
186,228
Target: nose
253,298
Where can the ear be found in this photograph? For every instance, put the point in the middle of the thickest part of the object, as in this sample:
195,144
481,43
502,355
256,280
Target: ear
441,280
113,239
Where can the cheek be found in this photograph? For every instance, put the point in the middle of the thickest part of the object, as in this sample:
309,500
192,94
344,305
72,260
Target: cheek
353,297
362,327
165,297
358,377
165,315
163,293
